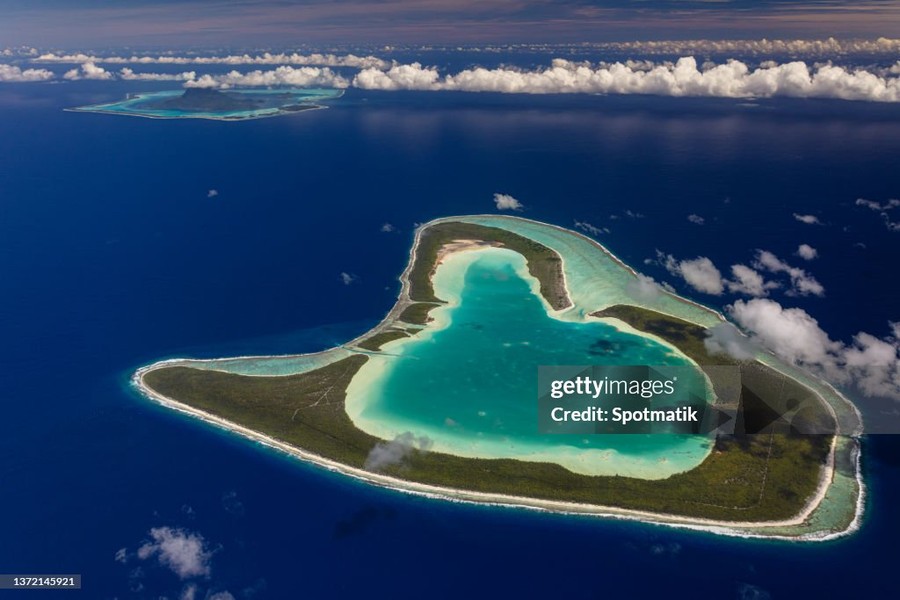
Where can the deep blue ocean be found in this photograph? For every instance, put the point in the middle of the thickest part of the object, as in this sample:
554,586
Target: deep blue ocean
113,256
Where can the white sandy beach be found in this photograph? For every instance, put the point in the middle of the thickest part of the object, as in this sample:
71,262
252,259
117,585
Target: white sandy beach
376,365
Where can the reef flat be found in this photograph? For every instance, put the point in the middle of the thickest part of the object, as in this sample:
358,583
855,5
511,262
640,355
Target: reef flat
217,105
766,478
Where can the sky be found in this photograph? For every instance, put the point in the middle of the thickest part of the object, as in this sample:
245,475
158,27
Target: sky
207,23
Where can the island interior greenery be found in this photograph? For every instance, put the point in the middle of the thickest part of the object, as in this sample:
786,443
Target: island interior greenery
747,477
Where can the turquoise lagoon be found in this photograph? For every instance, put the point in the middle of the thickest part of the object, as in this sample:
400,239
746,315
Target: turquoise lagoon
469,380
271,103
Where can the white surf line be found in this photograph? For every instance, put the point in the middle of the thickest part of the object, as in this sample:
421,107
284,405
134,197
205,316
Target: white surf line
731,528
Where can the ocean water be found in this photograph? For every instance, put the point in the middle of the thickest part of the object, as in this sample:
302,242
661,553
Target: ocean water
112,255
471,387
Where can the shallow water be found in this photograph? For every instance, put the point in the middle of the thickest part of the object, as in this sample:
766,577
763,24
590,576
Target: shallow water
470,384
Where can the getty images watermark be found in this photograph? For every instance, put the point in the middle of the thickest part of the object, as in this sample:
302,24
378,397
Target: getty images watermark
717,400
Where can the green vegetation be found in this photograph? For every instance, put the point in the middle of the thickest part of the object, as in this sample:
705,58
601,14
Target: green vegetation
685,336
766,471
543,263
206,100
765,393
381,338
306,411
417,313
747,478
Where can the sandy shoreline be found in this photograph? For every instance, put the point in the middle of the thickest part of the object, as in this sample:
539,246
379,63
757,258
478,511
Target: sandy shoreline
277,113
731,528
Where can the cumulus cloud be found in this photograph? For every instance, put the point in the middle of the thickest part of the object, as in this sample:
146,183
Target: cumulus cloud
696,219
883,209
807,252
727,339
700,273
212,193
399,77
286,75
827,47
591,229
747,281
790,332
802,283
733,79
387,454
266,58
507,202
88,70
348,278
643,288
13,74
868,363
388,228
183,552
129,75
808,219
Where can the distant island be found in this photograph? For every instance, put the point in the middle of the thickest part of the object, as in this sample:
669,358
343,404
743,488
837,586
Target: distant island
439,399
213,104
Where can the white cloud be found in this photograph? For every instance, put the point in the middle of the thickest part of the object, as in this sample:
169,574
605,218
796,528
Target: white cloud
88,70
827,47
700,273
591,229
802,283
129,75
348,278
808,219
725,338
388,228
789,332
315,59
883,209
212,193
386,454
399,77
507,202
183,552
869,364
733,79
225,595
286,75
807,252
13,74
749,282
696,219
878,206
189,592
643,288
